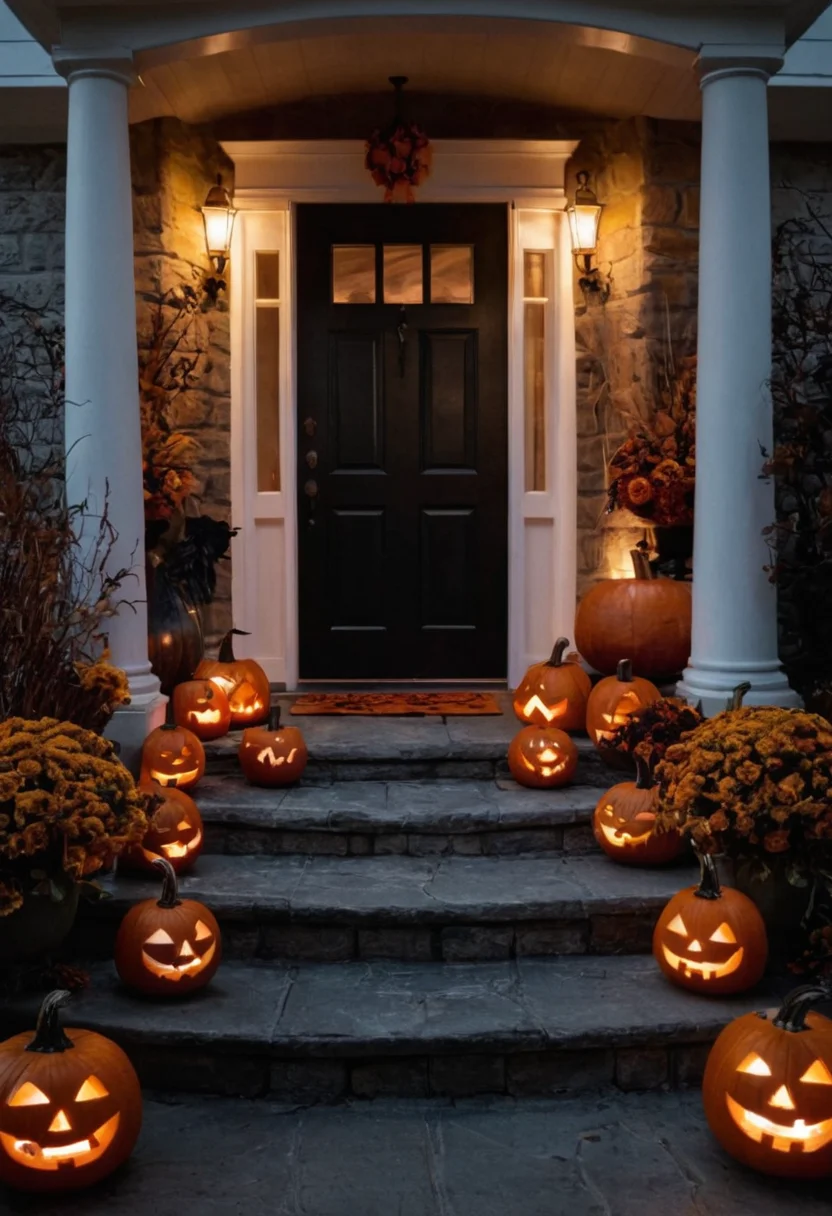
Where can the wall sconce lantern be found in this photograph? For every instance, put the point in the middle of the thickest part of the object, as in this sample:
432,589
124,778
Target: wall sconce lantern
218,218
584,214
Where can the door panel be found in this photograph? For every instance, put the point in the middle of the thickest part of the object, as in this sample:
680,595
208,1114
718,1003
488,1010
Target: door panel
402,449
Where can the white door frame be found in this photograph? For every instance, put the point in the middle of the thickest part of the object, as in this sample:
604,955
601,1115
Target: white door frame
528,176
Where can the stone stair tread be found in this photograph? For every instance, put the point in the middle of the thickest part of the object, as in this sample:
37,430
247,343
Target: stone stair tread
408,890
372,807
389,1008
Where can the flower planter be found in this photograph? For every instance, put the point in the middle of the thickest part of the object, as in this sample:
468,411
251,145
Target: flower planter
781,905
39,925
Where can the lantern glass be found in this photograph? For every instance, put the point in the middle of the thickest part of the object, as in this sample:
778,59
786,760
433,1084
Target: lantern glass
219,224
584,219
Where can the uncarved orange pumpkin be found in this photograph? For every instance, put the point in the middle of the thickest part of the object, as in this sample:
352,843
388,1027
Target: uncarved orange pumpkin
244,682
542,757
647,618
554,693
624,822
272,755
767,1088
172,755
203,708
611,702
174,831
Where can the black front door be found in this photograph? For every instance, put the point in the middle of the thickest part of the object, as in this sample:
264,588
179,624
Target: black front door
402,441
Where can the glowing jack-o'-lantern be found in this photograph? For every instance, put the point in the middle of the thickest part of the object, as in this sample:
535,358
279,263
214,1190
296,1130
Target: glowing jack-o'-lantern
70,1105
710,938
542,757
169,947
611,702
203,708
174,831
554,693
243,681
272,755
625,820
172,755
767,1088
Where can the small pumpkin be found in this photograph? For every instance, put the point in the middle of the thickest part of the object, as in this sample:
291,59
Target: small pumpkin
70,1105
542,757
272,755
611,702
554,693
172,755
170,946
645,617
174,831
624,822
243,681
767,1088
710,938
203,708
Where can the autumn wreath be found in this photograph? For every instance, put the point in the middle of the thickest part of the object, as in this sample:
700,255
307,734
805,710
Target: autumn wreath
399,158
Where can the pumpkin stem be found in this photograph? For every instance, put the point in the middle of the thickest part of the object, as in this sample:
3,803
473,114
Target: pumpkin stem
274,718
644,771
556,657
709,887
50,1037
738,694
624,671
170,892
641,564
792,1015
226,652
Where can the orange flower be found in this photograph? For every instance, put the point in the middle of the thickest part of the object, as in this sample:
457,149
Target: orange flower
776,842
639,491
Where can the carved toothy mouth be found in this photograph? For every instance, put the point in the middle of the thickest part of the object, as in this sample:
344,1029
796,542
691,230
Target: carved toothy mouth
798,1137
179,849
703,970
63,1156
176,971
179,778
618,840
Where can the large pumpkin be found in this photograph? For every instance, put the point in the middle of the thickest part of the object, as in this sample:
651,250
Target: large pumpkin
542,757
203,708
554,693
644,617
174,831
767,1088
624,822
611,702
169,946
70,1105
272,755
710,938
172,755
243,681
174,630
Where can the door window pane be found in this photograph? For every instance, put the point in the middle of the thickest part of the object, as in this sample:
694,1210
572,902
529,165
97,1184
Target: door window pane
268,276
402,274
452,274
267,392
534,368
353,274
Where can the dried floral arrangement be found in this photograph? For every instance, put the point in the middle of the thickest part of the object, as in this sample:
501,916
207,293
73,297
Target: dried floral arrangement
649,731
67,807
55,594
398,156
653,472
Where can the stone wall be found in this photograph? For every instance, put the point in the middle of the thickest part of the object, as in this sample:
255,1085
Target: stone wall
32,206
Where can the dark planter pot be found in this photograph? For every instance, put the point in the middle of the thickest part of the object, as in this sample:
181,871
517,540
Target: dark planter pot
39,925
674,546
781,905
175,642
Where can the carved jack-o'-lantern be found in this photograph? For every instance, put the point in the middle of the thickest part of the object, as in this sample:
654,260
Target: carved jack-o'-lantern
272,755
174,831
243,681
767,1088
611,702
203,708
554,693
711,939
70,1105
172,755
542,757
169,947
625,819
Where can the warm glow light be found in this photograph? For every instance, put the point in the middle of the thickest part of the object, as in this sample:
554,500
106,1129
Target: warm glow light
179,848
754,1065
28,1095
175,971
164,778
218,218
90,1090
205,717
817,1074
53,1157
584,221
798,1137
706,971
223,682
618,838
275,761
535,703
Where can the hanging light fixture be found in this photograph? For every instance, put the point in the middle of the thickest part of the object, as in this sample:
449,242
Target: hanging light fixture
218,218
584,215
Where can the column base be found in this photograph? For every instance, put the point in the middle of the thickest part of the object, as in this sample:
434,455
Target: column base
130,726
715,688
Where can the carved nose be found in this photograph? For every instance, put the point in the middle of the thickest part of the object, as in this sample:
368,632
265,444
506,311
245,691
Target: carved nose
782,1099
695,947
60,1123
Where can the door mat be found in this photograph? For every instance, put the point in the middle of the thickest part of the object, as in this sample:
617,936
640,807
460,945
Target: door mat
396,704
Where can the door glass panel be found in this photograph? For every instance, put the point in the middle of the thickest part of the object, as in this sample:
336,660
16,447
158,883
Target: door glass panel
402,274
534,368
452,274
267,393
268,276
353,274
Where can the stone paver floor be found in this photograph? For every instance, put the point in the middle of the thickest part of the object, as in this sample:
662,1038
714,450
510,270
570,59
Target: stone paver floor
600,1155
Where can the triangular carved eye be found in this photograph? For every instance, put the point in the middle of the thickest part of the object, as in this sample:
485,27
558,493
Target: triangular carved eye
159,938
92,1088
183,826
817,1074
755,1065
202,931
724,934
28,1095
677,925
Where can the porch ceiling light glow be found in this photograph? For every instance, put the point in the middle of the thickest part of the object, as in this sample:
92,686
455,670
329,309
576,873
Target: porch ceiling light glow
218,218
584,215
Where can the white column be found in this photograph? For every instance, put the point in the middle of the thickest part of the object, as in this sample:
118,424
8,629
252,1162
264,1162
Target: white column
103,431
734,605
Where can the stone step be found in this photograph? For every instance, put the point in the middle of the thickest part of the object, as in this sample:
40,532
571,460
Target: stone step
312,1032
453,909
382,818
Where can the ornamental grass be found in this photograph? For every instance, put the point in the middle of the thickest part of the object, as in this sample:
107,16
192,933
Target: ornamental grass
67,806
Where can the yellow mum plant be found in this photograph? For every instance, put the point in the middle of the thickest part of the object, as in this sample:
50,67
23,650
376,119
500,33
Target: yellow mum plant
67,806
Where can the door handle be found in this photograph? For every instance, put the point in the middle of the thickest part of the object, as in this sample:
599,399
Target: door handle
312,459
310,489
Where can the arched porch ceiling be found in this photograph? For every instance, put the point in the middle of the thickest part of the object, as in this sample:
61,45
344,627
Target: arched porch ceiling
568,67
